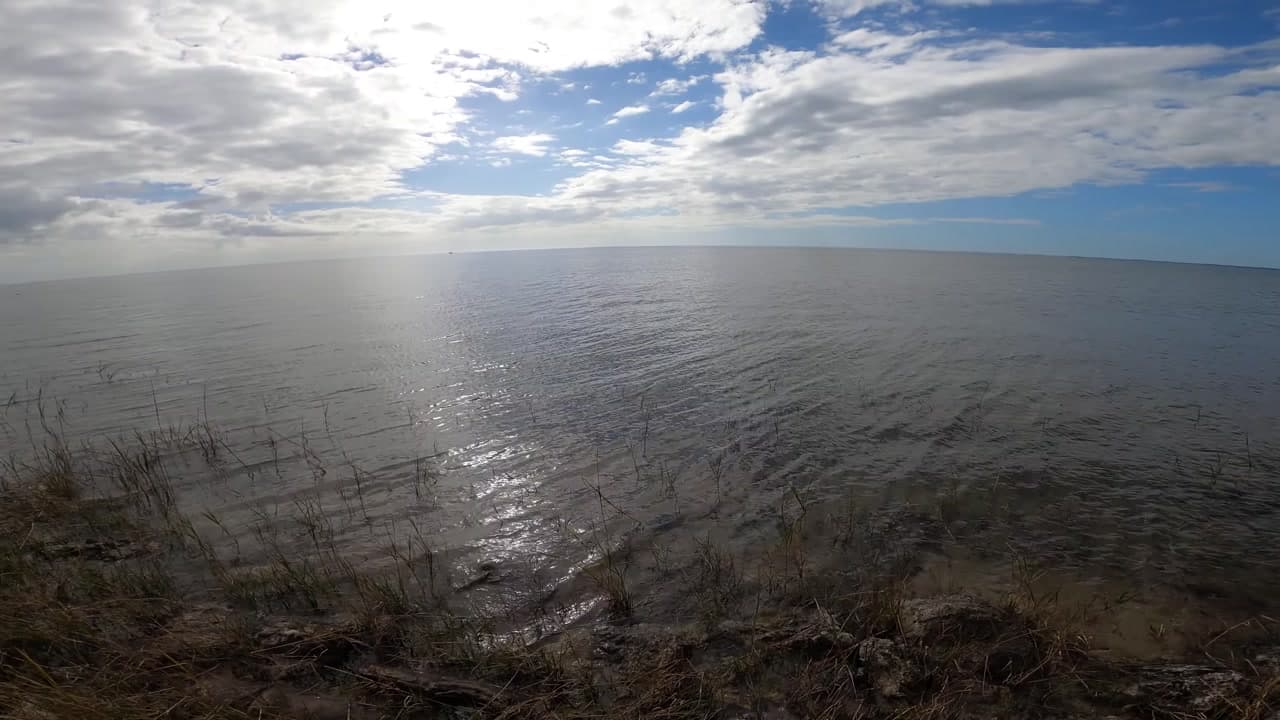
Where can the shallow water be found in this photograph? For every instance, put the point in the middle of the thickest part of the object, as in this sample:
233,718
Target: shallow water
1115,419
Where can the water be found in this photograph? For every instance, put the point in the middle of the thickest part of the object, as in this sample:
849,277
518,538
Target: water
1114,419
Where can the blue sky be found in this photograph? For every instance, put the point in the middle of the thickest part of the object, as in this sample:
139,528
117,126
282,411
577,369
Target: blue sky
180,134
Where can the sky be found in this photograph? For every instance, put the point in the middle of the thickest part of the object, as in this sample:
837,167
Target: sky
140,135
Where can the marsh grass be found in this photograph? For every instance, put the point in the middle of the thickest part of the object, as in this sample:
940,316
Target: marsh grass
716,582
115,602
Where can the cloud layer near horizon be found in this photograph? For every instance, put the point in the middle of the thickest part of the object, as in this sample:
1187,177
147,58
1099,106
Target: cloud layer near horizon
168,126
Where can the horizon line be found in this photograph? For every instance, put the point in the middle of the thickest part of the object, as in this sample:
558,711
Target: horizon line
726,246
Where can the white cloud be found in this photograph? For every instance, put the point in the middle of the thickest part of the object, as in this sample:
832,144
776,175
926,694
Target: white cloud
881,44
849,8
637,148
134,97
592,101
682,107
533,144
849,220
626,112
545,37
632,110
815,220
250,105
676,86
576,157
803,133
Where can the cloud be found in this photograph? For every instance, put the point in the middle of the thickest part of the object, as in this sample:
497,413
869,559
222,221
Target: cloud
849,8
107,94
880,44
533,144
637,148
579,158
592,101
823,219
1205,187
803,132
23,212
626,112
675,86
483,212
544,37
682,107
632,110
817,220
253,106
1030,222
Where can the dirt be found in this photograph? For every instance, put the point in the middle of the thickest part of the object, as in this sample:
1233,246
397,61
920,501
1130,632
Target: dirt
868,653
952,654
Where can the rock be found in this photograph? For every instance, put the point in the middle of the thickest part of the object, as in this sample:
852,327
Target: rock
887,667
1267,662
285,701
444,690
817,634
105,550
614,642
643,634
325,643
1188,689
202,629
487,575
828,631
280,635
948,616
735,628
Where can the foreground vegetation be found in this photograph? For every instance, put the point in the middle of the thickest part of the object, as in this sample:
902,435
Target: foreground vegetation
113,604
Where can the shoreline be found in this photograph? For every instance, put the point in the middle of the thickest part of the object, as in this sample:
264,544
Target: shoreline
100,617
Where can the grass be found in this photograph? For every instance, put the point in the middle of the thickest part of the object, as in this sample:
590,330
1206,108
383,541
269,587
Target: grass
117,603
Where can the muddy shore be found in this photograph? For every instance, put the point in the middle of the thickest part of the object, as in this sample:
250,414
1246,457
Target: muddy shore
99,618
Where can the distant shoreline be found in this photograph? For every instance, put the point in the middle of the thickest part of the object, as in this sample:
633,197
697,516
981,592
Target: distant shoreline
10,284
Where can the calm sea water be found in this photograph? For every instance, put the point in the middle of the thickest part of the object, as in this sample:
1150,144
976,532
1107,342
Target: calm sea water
1117,419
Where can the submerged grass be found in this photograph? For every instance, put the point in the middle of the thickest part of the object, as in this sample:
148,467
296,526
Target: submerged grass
115,603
